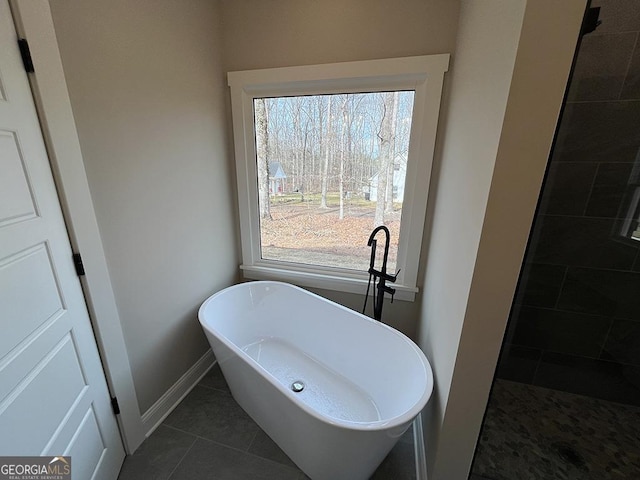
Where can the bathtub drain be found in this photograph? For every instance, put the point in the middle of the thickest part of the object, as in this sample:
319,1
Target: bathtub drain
297,386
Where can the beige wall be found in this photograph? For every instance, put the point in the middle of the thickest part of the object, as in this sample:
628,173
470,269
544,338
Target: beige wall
480,76
507,81
148,95
278,33
147,85
147,81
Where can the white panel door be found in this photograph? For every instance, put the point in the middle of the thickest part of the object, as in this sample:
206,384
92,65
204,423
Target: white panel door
53,393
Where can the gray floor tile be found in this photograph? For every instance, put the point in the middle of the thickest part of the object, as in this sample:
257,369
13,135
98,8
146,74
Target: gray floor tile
408,436
264,447
398,465
214,379
214,415
209,460
231,445
157,456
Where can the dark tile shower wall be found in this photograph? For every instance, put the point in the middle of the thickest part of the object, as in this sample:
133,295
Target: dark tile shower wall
575,324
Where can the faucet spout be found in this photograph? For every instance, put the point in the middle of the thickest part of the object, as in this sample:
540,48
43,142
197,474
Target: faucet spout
372,243
380,276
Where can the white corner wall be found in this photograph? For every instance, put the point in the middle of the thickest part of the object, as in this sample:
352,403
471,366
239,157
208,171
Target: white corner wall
148,94
509,73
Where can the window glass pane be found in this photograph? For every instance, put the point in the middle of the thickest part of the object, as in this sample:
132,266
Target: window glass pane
330,169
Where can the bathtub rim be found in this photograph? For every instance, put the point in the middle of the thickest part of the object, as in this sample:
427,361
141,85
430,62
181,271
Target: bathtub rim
384,424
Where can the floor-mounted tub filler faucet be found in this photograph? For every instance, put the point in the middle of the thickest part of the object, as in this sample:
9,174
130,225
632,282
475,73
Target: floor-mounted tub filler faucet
380,276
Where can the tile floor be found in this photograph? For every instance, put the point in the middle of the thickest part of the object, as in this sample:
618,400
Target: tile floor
209,436
535,433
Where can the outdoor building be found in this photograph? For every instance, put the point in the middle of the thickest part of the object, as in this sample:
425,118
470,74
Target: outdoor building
399,175
276,178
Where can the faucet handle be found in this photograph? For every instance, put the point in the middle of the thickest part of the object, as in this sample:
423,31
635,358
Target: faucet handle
395,276
391,291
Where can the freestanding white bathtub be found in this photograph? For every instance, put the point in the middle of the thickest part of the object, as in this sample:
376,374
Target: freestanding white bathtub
362,382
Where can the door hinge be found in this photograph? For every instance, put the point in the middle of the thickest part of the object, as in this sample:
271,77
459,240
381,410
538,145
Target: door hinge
26,55
115,406
77,262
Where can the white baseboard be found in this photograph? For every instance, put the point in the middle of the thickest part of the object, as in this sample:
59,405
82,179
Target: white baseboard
160,410
420,452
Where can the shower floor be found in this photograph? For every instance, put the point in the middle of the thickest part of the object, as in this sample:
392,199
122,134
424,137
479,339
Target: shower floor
533,433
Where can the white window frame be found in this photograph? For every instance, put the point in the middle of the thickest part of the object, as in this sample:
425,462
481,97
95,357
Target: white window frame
422,74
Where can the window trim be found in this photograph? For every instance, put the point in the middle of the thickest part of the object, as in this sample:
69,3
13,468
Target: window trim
423,74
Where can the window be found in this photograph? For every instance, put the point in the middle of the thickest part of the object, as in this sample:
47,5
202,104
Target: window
324,154
328,166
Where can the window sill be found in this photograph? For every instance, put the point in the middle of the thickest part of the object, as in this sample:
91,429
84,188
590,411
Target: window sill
356,283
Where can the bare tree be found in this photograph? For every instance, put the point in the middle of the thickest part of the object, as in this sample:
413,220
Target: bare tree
262,154
388,208
325,169
385,139
332,144
343,133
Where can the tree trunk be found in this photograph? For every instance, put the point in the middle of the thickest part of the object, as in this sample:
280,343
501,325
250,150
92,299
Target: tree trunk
388,208
325,170
342,149
262,154
297,151
385,138
304,162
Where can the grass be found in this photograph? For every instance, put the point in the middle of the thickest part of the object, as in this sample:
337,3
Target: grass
302,232
333,200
